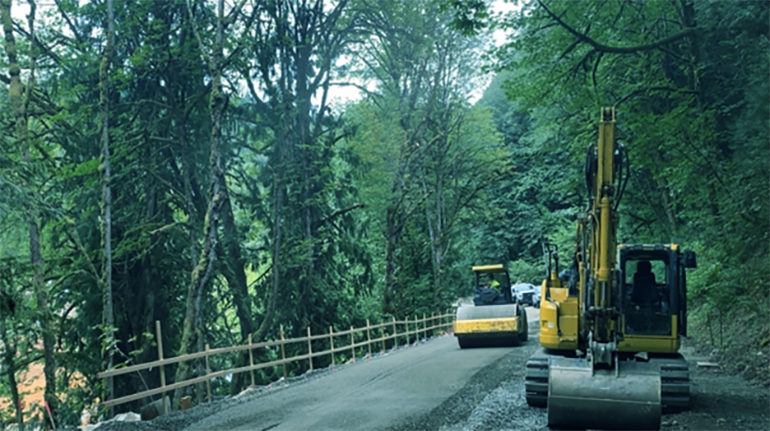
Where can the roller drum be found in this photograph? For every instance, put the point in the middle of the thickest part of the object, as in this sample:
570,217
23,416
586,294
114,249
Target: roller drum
487,325
473,312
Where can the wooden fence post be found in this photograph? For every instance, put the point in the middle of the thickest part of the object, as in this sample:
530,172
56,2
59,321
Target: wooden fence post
432,324
382,334
159,342
395,334
424,327
283,353
415,329
352,344
368,338
251,361
208,371
406,331
331,342
309,349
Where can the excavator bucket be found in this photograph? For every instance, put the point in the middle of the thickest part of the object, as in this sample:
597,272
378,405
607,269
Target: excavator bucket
581,397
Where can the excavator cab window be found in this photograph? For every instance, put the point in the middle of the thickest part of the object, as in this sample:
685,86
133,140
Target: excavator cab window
646,293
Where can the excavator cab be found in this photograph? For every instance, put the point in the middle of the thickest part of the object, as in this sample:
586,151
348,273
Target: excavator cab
653,296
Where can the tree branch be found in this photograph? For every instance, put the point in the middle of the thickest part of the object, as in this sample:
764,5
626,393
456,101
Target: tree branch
650,89
616,49
339,213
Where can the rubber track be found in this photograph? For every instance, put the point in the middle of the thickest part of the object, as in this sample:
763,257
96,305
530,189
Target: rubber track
536,381
675,387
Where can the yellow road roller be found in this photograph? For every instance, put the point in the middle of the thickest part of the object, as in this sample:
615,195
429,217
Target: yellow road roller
495,318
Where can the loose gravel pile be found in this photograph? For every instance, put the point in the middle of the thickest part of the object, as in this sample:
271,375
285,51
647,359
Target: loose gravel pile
505,408
492,400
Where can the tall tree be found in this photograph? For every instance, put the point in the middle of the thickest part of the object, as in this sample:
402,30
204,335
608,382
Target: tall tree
106,280
399,65
436,168
295,47
201,275
20,96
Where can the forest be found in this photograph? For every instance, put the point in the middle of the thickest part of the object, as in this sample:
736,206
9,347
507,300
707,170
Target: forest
192,162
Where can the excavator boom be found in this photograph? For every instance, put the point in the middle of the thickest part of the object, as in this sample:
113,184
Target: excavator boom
596,390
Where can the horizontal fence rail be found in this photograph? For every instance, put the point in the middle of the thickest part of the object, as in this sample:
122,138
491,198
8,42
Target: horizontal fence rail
344,340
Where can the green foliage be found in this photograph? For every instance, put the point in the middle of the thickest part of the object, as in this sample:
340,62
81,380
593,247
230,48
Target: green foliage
429,159
387,200
684,77
469,15
523,271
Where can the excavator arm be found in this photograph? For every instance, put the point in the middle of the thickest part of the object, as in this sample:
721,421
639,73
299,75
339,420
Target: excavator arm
600,314
595,390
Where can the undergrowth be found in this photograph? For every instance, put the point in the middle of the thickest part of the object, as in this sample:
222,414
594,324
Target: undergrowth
739,339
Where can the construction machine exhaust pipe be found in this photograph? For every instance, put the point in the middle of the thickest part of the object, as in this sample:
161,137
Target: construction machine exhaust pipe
584,398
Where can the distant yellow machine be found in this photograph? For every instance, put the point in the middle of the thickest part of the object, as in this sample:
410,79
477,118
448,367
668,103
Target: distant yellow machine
494,318
610,329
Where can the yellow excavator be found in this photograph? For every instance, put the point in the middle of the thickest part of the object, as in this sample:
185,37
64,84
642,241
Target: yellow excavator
495,318
610,326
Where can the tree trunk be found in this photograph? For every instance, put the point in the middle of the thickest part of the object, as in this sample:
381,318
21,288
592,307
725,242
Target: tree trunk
203,272
669,207
236,280
392,237
277,220
19,101
10,369
109,319
278,192
438,257
433,233
41,294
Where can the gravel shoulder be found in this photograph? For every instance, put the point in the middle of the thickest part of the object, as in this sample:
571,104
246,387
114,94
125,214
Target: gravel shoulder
720,401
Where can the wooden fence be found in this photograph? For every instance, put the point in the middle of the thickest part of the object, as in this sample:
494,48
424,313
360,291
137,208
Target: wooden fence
346,342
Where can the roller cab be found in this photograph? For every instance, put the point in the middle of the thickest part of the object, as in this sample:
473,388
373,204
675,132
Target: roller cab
494,318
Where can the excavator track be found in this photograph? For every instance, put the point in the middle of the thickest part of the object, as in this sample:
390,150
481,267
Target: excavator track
536,381
674,375
675,386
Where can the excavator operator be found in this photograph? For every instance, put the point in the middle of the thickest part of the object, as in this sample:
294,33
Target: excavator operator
645,289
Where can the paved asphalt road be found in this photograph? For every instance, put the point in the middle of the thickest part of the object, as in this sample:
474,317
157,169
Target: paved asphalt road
370,395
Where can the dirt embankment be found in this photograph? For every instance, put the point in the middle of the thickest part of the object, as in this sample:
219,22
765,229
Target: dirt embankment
738,341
